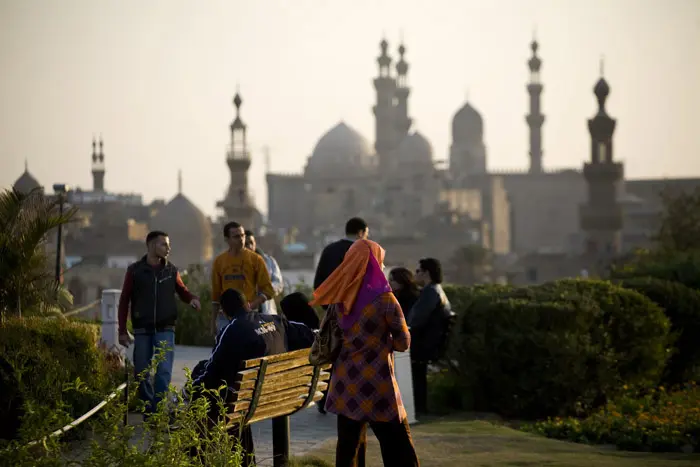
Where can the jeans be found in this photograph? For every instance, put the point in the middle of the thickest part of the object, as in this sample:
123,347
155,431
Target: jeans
146,346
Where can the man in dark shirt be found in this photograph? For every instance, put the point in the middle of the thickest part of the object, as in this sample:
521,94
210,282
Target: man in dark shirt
333,254
149,290
248,335
331,257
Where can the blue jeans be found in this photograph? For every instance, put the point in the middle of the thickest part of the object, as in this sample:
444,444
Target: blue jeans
146,345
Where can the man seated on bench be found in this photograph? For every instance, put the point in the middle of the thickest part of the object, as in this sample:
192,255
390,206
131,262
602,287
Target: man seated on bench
247,336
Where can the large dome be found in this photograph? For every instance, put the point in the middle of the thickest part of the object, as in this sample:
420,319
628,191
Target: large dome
467,125
342,150
26,183
415,149
189,231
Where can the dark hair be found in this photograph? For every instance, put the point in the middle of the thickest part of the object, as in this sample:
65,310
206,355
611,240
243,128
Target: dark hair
229,226
434,269
154,234
232,301
295,307
354,226
249,233
404,277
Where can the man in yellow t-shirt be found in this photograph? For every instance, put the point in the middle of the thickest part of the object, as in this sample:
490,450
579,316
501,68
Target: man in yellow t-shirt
239,269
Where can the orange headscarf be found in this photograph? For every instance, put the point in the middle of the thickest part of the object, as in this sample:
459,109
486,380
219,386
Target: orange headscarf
343,285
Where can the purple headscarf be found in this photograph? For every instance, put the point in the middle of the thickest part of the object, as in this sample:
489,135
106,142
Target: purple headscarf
374,284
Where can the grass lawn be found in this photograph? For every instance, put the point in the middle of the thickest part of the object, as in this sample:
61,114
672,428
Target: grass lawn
454,442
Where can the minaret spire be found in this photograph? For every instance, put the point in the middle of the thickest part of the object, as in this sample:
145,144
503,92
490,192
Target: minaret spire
535,119
98,166
601,218
384,109
26,165
179,182
402,121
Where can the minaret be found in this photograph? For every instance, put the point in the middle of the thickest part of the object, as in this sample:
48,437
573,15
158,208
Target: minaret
601,217
98,167
385,86
238,205
402,120
535,119
179,182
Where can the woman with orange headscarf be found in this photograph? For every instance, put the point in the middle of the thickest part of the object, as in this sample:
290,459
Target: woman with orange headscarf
363,388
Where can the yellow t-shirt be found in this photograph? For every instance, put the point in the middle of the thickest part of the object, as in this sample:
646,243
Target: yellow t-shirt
245,272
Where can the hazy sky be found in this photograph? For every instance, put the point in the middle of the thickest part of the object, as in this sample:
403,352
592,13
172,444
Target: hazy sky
156,79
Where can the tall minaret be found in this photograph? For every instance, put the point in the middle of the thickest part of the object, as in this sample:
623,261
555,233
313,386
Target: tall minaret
601,217
238,205
402,120
98,167
535,119
385,86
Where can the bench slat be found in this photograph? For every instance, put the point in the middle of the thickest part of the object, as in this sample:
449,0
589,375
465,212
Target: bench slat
276,358
273,410
282,396
281,376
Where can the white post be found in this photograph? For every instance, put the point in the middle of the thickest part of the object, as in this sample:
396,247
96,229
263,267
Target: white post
404,377
110,324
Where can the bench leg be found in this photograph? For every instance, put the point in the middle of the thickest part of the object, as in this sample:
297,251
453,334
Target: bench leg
280,441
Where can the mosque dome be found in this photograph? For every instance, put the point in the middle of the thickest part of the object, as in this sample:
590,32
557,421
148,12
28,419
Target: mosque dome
341,150
467,125
189,231
415,149
26,182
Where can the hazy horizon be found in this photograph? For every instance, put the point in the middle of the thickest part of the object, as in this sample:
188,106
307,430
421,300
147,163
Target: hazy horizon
156,79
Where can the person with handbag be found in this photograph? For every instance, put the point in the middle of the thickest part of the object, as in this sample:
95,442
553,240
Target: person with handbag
363,326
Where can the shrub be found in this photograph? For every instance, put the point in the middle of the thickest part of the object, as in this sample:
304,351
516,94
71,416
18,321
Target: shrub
45,355
524,358
683,267
682,306
631,329
657,421
194,326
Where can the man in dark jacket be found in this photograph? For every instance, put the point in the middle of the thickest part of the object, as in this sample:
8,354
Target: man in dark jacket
149,292
427,321
247,336
331,257
333,254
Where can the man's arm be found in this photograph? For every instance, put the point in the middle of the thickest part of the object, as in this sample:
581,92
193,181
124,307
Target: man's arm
397,324
225,354
276,276
182,291
125,301
427,301
262,283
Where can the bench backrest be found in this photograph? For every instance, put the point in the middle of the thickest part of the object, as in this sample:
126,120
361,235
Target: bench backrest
276,386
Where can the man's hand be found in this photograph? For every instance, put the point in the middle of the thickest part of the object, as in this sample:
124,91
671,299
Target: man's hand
125,339
257,301
195,304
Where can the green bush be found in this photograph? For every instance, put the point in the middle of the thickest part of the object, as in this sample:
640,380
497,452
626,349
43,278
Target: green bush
561,347
194,326
632,330
682,306
524,358
683,267
46,354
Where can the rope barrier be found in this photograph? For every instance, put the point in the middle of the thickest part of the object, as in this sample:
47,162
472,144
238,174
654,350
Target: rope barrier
83,308
80,420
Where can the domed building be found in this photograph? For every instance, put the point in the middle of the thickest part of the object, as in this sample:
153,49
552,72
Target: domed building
414,154
189,230
467,152
341,152
26,182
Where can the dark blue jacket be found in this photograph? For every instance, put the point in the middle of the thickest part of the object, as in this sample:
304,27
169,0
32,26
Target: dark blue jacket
250,335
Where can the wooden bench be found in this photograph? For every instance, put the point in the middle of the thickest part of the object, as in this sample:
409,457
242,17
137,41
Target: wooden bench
276,387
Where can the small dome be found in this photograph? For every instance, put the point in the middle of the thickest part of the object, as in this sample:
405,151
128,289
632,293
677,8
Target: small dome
189,231
26,183
342,150
467,125
415,149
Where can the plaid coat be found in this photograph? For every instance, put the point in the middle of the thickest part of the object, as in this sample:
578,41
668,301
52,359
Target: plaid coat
363,386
